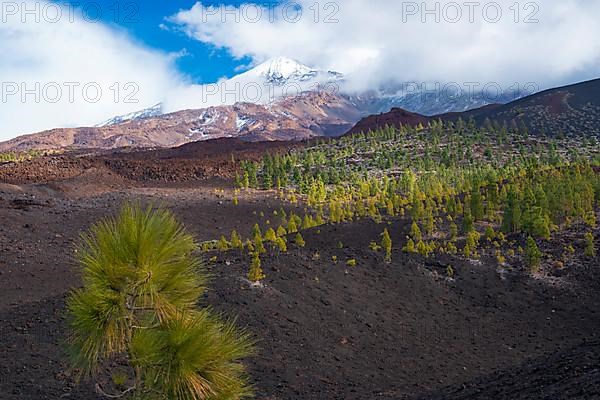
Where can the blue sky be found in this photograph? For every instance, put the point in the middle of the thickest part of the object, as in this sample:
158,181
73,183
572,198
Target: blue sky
202,63
379,36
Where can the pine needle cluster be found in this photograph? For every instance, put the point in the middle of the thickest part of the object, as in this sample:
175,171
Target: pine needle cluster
139,302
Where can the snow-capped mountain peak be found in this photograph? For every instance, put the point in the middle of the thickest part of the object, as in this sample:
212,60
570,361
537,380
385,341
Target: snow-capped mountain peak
282,70
283,77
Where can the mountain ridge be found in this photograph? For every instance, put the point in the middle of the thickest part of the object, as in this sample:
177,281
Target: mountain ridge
300,117
318,105
570,110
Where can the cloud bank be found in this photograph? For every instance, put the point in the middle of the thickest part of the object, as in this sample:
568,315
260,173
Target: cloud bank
61,70
376,41
68,71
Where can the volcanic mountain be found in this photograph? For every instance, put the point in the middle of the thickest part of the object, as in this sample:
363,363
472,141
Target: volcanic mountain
568,110
280,99
299,117
274,79
282,77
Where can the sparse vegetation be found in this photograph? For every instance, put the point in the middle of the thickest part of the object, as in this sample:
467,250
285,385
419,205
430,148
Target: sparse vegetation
533,187
461,202
24,156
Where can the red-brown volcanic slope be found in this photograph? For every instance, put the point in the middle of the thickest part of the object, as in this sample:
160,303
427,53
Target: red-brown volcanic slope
570,110
395,117
299,117
191,162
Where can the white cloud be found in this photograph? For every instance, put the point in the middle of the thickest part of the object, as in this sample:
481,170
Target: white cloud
370,42
49,57
375,41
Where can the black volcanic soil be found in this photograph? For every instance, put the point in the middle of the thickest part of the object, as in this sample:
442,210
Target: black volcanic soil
326,331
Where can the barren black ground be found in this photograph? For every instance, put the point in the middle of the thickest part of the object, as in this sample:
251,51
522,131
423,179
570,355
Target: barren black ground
325,330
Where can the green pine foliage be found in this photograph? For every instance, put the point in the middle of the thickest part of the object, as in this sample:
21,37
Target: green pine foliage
259,245
256,231
223,244
292,227
476,200
281,231
299,240
590,248
410,246
533,255
415,232
453,231
236,241
255,273
468,221
471,243
142,284
270,235
386,245
281,244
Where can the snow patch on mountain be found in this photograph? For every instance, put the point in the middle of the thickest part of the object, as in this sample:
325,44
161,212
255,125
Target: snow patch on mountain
206,118
149,112
242,121
196,132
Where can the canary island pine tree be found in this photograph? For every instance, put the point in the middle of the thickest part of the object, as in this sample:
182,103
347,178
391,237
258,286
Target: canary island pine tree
590,249
236,241
139,304
281,244
386,245
533,255
299,240
415,232
255,273
223,244
281,231
270,235
410,246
